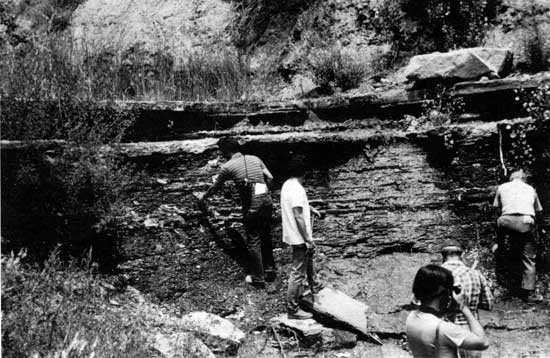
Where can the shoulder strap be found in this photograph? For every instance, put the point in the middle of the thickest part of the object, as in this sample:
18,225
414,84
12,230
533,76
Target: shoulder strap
245,168
436,343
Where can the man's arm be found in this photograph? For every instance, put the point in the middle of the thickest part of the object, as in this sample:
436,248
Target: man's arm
301,223
222,177
267,174
477,340
486,296
497,205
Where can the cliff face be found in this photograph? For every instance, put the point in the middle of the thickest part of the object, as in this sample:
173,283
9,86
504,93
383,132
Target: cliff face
173,26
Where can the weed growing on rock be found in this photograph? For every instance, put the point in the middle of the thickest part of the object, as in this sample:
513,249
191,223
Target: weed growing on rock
336,70
528,142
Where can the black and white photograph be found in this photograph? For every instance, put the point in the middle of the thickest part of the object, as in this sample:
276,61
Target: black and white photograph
275,178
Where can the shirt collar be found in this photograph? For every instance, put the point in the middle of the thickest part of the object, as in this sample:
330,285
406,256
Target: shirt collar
455,263
236,155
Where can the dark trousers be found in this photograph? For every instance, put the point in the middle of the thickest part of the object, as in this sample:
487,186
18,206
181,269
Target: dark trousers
301,273
516,259
257,225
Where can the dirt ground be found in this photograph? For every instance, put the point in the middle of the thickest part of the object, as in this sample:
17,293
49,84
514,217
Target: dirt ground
183,270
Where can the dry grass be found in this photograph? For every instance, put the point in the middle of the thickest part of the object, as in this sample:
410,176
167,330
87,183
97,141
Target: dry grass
53,67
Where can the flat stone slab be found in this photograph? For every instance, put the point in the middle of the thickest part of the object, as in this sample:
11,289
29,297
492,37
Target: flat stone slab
307,327
463,64
340,308
213,325
313,332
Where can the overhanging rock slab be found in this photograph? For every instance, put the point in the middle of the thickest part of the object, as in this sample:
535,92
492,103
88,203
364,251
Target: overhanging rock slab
339,308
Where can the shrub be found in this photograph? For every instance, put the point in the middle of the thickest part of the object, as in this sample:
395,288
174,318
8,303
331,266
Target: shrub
336,70
67,194
63,311
430,25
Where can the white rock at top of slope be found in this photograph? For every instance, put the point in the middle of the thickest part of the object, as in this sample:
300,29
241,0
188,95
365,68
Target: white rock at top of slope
211,324
464,64
172,25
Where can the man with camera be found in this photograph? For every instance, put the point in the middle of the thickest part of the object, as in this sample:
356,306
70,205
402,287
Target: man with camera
251,177
475,290
428,334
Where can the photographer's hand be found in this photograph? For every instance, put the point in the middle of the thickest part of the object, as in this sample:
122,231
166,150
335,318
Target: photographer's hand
460,300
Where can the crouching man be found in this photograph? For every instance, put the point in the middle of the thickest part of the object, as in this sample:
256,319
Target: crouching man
519,204
297,232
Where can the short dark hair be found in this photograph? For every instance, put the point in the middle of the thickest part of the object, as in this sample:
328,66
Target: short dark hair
228,145
296,166
452,246
432,280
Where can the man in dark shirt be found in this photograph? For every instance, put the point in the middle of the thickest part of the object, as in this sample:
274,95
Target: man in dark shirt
251,177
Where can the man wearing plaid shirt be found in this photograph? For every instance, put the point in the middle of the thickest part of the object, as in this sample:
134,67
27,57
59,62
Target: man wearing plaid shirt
476,292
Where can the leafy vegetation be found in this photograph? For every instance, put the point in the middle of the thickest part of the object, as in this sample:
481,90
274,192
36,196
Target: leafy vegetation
430,25
63,310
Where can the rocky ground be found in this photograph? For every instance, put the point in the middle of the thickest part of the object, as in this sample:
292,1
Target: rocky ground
387,202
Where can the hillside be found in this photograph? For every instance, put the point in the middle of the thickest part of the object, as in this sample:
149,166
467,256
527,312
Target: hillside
281,50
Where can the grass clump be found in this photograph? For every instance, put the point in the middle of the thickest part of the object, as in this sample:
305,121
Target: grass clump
61,310
336,70
53,66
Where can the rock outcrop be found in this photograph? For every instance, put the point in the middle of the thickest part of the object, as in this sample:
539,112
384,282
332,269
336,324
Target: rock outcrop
219,334
181,345
313,333
459,65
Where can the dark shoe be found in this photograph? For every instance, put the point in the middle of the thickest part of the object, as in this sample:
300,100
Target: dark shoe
317,289
299,315
256,284
270,275
532,298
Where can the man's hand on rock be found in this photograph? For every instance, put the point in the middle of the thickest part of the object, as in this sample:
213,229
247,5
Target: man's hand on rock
315,212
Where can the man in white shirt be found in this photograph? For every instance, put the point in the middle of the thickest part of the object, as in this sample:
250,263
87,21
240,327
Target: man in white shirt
519,203
297,232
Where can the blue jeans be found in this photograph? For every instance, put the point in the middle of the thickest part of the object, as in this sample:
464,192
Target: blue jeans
257,225
301,273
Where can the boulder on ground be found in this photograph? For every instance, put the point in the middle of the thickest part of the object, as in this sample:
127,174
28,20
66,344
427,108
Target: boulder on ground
218,333
339,308
311,332
181,345
459,65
